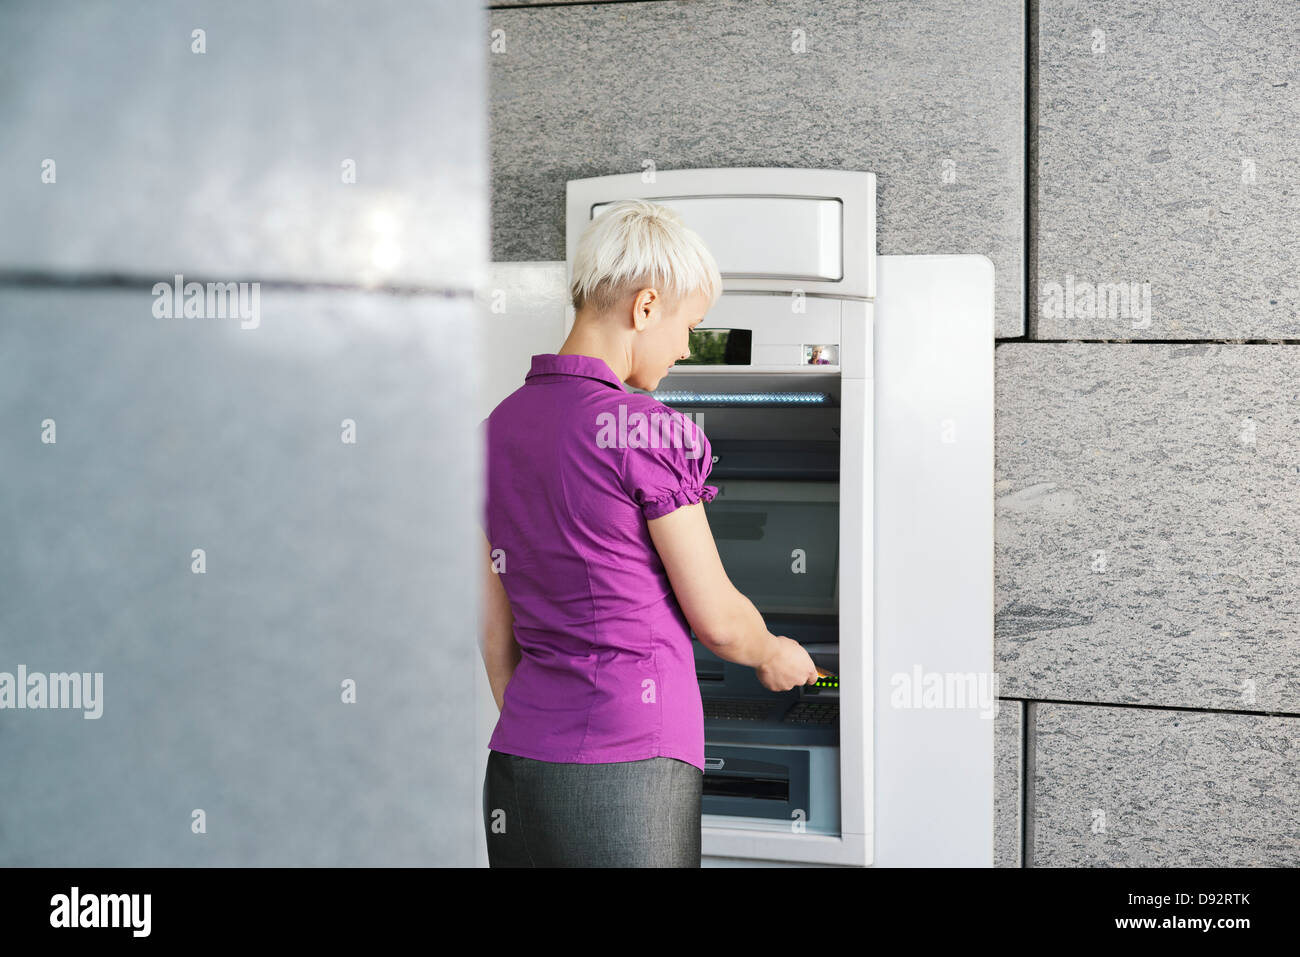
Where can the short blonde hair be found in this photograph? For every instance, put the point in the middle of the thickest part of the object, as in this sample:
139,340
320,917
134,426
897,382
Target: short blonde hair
635,244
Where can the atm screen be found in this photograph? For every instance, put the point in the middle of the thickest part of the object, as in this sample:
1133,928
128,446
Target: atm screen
720,347
779,542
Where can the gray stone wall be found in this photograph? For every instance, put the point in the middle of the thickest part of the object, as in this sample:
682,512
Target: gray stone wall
929,95
1146,569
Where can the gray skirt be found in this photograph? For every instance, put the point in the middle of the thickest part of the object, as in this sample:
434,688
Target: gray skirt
623,814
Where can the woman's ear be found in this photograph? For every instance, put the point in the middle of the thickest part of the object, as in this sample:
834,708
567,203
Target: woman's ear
641,309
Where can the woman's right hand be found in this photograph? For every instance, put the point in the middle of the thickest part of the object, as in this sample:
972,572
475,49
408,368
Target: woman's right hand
788,667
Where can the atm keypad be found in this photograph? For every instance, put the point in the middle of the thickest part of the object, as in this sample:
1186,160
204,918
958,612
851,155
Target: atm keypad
736,710
814,712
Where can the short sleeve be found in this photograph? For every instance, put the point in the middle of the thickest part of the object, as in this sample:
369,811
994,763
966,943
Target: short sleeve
662,479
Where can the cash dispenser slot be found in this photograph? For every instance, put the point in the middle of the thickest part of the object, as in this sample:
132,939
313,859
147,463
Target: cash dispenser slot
755,782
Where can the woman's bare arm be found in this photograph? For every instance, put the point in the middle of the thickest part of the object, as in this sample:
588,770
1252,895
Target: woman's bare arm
497,642
724,620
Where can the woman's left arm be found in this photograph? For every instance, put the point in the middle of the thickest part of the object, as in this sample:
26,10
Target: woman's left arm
497,643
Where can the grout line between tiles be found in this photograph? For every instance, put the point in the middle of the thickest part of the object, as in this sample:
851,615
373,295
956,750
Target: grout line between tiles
1028,727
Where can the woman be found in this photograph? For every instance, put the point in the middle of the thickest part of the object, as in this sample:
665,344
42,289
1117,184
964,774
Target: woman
601,563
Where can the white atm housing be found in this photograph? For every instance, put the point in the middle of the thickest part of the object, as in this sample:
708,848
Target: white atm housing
796,249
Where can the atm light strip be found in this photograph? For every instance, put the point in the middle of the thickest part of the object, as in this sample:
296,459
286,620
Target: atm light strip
742,398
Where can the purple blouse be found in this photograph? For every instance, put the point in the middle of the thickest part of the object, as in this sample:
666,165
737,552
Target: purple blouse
576,463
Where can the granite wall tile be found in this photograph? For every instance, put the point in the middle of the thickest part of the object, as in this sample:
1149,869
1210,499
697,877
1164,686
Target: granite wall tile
1142,787
1008,742
1146,521
928,95
1169,157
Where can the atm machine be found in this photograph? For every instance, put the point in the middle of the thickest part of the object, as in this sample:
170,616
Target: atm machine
781,381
